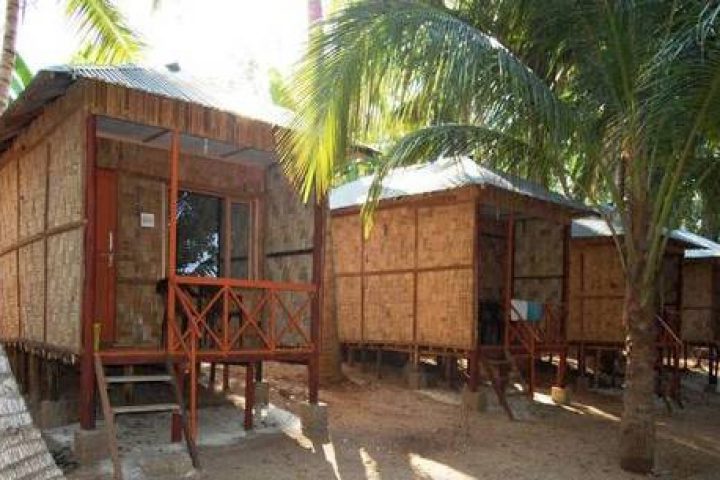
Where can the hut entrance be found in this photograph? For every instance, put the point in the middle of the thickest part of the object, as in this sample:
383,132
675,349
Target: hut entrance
493,276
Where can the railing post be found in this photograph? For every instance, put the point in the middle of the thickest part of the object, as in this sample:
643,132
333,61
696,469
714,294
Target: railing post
172,237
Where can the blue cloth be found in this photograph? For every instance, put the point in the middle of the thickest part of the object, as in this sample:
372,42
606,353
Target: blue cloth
534,311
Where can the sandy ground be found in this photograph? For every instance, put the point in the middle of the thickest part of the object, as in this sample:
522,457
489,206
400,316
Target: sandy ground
381,430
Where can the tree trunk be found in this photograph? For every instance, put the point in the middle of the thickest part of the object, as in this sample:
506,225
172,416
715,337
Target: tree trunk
330,360
7,61
637,428
23,452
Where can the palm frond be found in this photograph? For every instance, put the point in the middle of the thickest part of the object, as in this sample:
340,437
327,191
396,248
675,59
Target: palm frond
106,37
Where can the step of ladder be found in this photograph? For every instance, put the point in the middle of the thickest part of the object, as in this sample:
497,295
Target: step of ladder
110,411
138,379
156,407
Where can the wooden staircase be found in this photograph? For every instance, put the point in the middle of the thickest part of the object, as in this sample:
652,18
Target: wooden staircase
500,369
110,412
668,383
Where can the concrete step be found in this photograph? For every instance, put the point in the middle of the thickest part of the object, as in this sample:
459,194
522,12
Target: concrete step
138,378
156,407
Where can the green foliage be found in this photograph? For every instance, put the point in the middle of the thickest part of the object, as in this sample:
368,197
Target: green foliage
21,77
106,37
612,102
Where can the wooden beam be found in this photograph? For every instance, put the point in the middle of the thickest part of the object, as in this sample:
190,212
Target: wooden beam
87,371
155,136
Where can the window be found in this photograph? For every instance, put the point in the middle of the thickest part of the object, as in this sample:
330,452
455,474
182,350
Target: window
201,241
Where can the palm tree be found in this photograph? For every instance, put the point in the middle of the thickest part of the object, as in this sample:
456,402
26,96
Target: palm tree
607,99
104,34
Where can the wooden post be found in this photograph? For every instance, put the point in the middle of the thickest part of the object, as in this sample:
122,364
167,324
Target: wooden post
509,276
477,259
249,395
226,377
34,378
212,376
87,370
473,371
172,236
176,426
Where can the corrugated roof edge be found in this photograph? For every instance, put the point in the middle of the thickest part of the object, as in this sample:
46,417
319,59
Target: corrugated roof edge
52,82
469,172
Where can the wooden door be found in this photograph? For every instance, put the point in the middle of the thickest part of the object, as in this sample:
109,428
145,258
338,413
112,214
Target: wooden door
105,247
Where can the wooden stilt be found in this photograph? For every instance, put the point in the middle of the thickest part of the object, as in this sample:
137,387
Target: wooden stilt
473,371
378,362
258,372
249,396
176,427
34,389
211,382
313,380
87,368
562,369
226,377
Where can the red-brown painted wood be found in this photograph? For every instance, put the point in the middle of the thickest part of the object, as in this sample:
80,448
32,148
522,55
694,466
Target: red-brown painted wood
106,195
87,372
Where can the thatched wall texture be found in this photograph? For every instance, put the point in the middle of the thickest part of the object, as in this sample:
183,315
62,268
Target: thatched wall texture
411,281
287,243
9,323
597,288
538,260
700,322
492,259
41,200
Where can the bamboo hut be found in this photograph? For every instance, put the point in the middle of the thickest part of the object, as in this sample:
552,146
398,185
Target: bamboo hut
452,247
142,221
700,319
597,287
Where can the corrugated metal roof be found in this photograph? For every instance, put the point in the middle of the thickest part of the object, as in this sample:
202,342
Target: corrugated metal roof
443,174
597,227
51,83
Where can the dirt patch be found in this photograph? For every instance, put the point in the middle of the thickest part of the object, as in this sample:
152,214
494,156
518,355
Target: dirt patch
381,430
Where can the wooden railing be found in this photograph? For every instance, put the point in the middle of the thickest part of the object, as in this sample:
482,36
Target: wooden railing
230,316
223,319
550,329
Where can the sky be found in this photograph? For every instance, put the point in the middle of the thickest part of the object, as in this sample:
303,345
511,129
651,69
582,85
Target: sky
234,42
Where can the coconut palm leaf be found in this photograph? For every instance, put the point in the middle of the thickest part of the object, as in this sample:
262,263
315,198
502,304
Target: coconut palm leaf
107,37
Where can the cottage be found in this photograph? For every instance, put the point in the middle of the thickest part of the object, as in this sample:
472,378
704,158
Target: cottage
143,223
455,253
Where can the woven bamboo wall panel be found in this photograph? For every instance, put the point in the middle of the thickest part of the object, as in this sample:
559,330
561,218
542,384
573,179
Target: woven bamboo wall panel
64,289
602,271
139,313
33,167
391,245
8,205
445,235
291,268
389,308
602,320
32,288
698,325
140,250
697,284
538,248
198,172
347,239
445,308
349,308
142,107
545,290
9,326
670,279
67,153
492,268
290,223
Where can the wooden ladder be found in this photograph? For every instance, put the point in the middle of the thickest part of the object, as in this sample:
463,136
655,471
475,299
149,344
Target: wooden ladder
501,373
109,412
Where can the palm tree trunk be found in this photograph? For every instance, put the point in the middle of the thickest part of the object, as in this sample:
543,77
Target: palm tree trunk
330,358
637,428
7,61
23,452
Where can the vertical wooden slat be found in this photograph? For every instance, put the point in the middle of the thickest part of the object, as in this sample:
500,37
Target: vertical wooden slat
509,275
87,374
